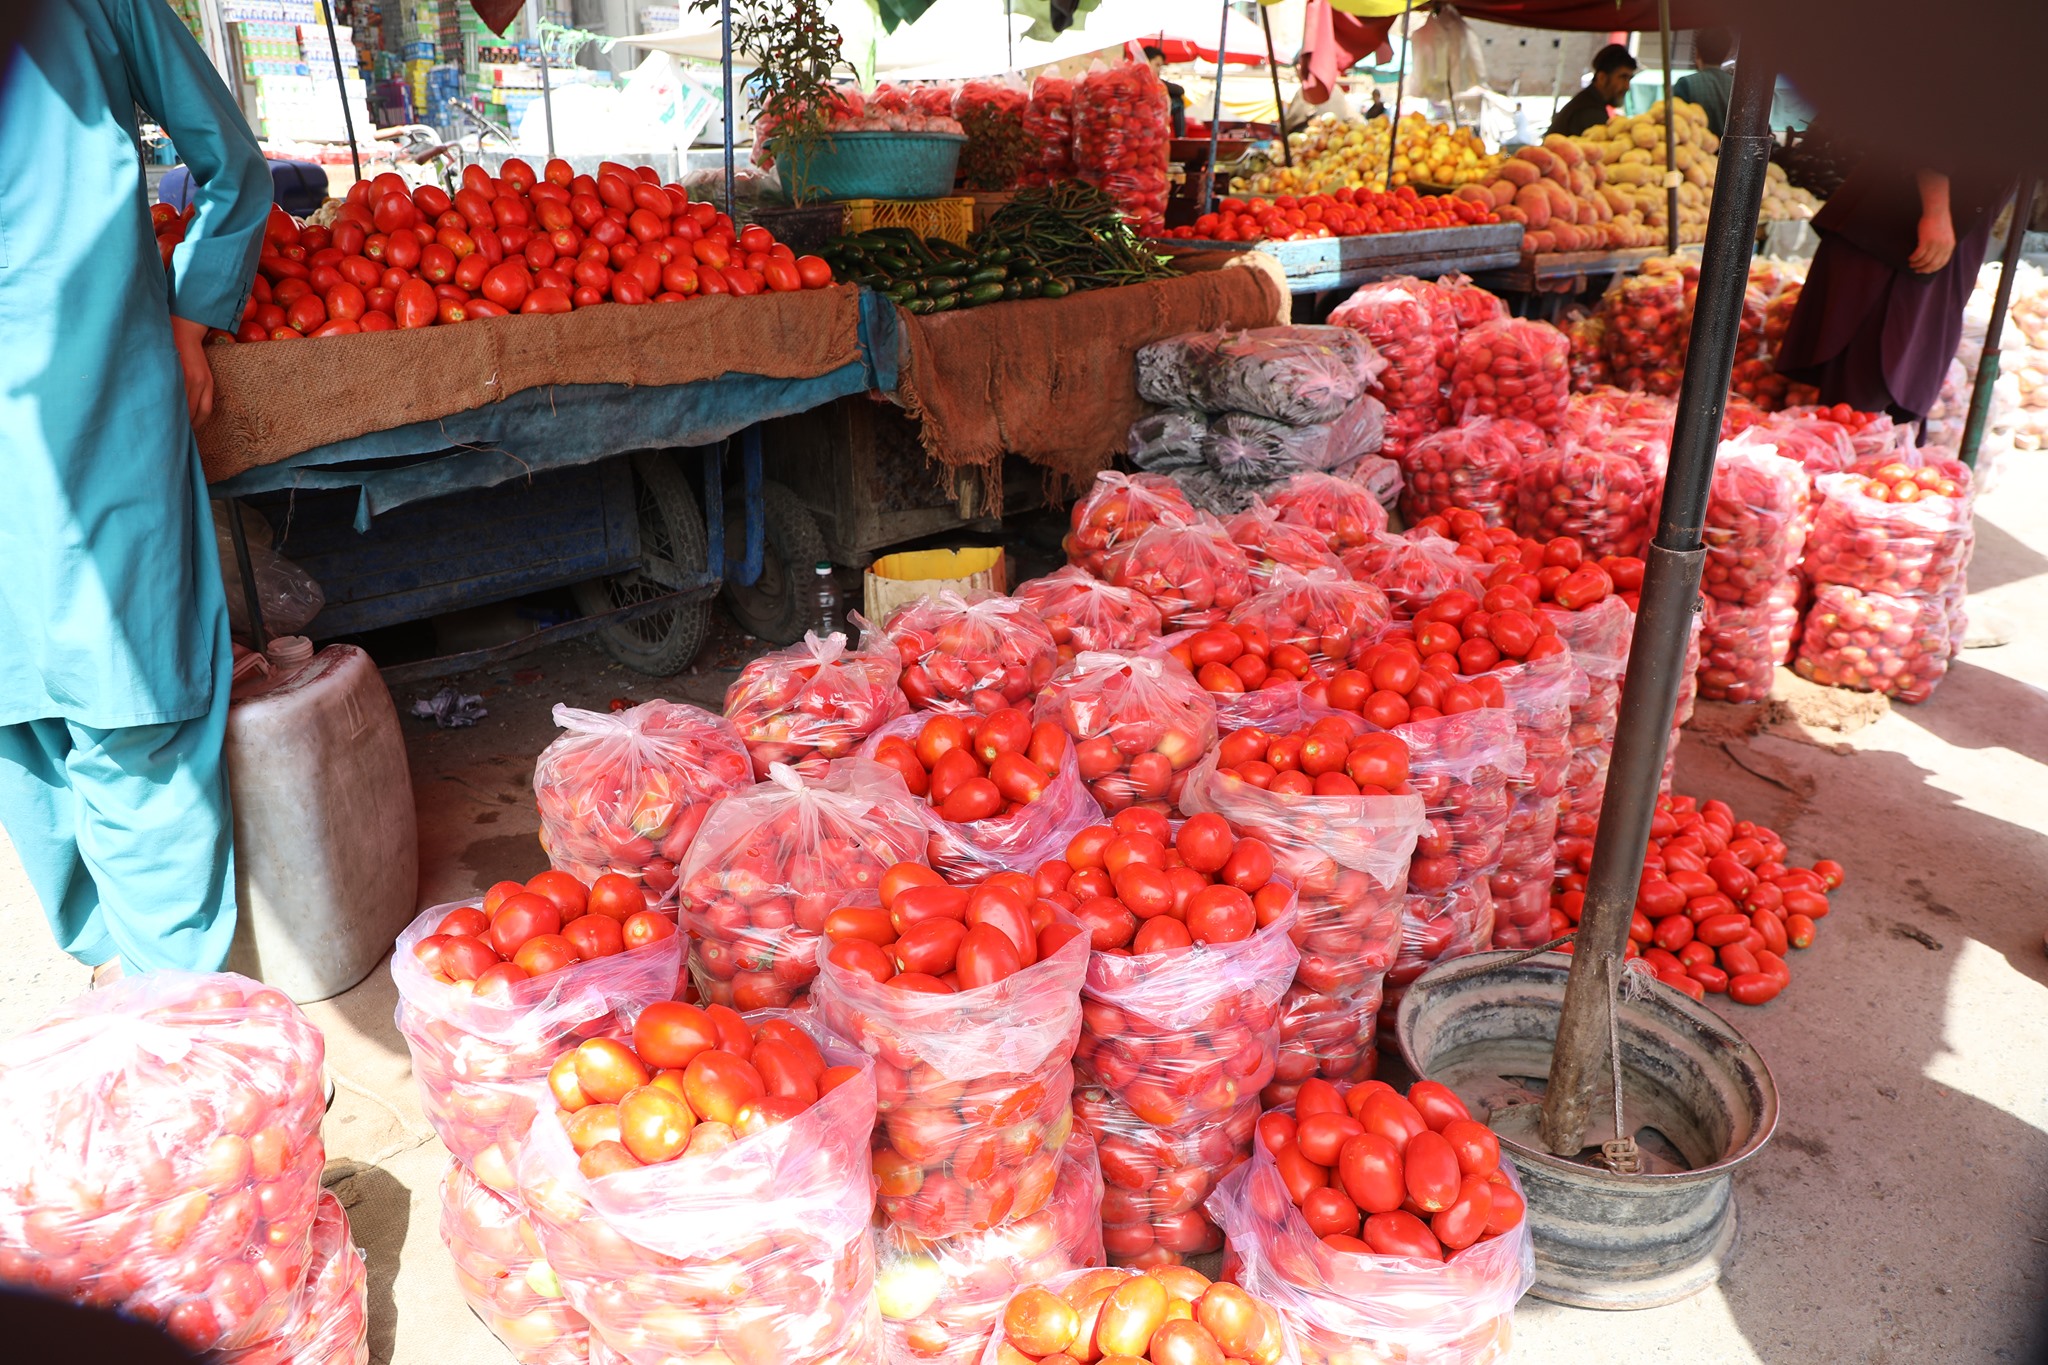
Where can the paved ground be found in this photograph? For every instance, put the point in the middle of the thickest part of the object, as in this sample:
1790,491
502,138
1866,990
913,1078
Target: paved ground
1894,1218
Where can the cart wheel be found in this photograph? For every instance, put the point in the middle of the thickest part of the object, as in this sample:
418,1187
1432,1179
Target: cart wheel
671,536
775,609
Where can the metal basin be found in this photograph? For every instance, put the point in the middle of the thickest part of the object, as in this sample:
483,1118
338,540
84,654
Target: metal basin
1698,1100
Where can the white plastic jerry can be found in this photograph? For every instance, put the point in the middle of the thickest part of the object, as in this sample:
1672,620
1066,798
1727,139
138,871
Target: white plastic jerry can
326,843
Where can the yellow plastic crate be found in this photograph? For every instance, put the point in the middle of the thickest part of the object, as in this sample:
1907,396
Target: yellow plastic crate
952,219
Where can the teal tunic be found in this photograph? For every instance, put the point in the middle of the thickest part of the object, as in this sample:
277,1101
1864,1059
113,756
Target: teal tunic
111,605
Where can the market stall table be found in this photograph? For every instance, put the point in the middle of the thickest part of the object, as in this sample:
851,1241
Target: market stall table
1560,274
1328,263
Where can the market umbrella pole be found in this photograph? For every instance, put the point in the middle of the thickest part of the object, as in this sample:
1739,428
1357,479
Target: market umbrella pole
1273,69
1400,89
725,68
1671,176
1994,330
1216,107
547,91
1671,588
348,120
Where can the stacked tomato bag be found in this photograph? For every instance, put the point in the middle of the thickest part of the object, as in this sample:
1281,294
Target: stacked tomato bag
816,700
172,1170
1757,513
1122,138
1413,325
1601,481
1049,126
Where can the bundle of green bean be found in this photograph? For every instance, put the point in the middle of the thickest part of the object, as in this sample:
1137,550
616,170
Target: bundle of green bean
1046,243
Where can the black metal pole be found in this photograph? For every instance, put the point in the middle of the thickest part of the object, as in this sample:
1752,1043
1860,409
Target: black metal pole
1994,330
238,535
1279,105
1671,176
348,120
1671,584
725,67
1216,108
1400,88
547,89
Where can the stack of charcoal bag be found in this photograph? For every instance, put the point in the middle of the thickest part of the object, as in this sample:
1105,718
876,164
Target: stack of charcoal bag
1243,412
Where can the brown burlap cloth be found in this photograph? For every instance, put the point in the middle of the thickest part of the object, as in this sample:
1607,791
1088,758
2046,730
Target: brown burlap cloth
275,399
1055,380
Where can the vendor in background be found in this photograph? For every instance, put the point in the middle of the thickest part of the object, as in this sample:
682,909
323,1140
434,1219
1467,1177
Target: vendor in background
1882,310
1709,86
1301,108
1379,106
1614,66
114,654
1176,94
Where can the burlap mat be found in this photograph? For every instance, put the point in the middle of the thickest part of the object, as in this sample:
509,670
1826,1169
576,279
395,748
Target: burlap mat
1054,380
275,399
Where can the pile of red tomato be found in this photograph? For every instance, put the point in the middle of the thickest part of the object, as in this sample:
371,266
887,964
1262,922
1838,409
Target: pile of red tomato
1345,212
931,936
986,770
550,923
971,654
1169,1315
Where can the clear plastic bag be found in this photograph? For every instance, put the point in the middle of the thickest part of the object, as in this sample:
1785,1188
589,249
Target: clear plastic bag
971,655
1154,1179
1742,646
1139,722
1756,522
1083,613
1476,465
1170,440
1896,549
992,114
1459,765
1541,694
285,593
1326,614
1603,497
760,1250
1119,508
973,1089
771,863
942,1298
1296,375
1474,307
1122,140
1269,543
164,1158
331,1325
1598,637
625,792
1358,1308
1413,570
1083,1289
1648,318
1049,123
1250,449
1512,368
1191,571
478,1058
1818,445
1874,642
1587,334
1413,326
1345,513
816,700
503,1276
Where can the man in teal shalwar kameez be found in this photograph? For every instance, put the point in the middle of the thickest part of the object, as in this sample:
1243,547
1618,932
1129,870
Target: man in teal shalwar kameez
114,656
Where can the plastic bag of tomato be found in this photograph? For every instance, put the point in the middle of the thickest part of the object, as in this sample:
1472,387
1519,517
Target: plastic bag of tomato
1741,647
1382,1227
1122,137
1119,508
971,1008
1891,536
503,1276
1756,524
770,864
1269,542
1512,368
707,1188
172,1170
1476,465
1084,613
1343,512
941,1299
490,994
331,1324
1329,617
1138,723
1413,326
1412,570
1541,694
816,700
1192,571
1874,642
973,654
1166,1313
625,793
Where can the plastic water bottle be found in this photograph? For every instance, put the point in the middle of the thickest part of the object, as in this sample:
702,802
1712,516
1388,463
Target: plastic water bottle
824,601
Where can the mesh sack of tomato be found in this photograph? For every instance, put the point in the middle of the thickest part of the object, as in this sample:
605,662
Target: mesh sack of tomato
753,1242
172,1166
1391,1287
971,654
972,1029
1269,542
477,1053
1049,125
1648,320
1894,548
816,700
331,1325
1013,797
1476,466
1874,642
1169,440
624,793
1541,694
992,114
1741,647
941,1298
1459,765
1122,138
1512,368
1326,615
1344,513
1083,613
1413,326
771,863
1582,488
504,1277
1138,722
1166,1312
1117,509
1248,448
1412,570
1756,522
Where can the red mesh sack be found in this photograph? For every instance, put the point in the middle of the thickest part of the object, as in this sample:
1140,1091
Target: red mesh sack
1083,613
478,1058
1756,523
1122,136
1269,542
331,1324
503,1276
1345,513
1414,327
815,701
1741,646
1476,465
1874,642
1413,570
625,792
1138,723
1512,368
973,654
1192,572
172,1165
1049,124
771,863
1119,508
